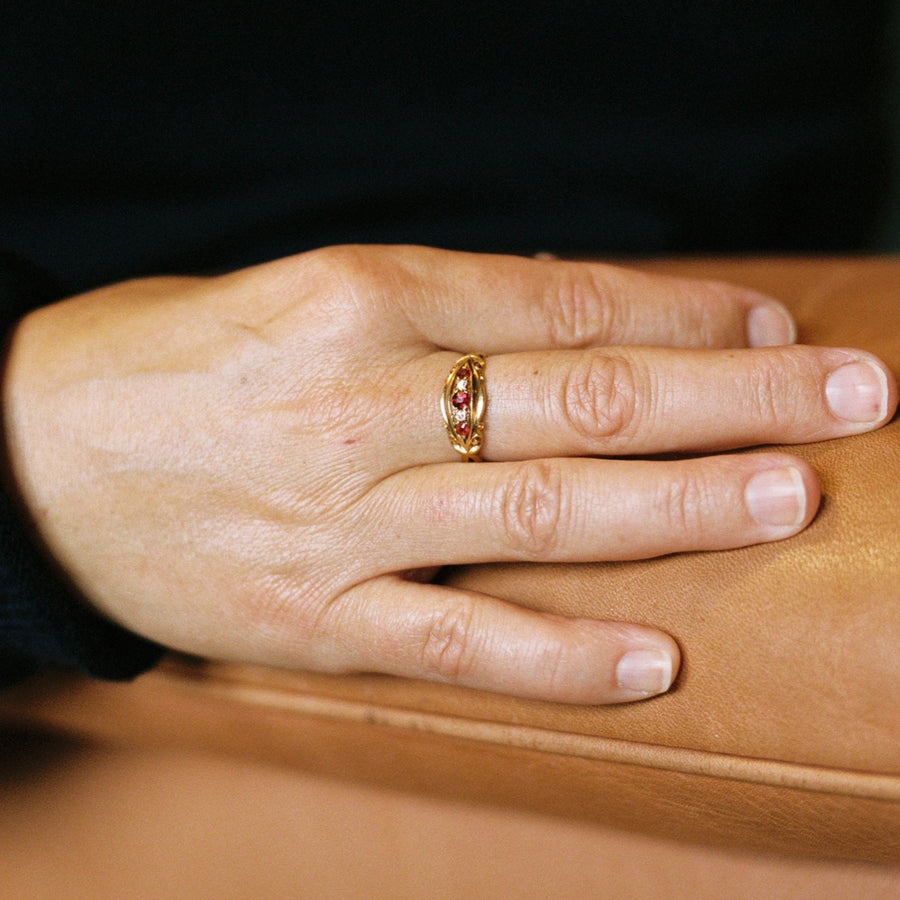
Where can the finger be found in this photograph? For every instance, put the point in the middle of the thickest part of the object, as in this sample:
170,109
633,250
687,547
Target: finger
651,400
498,304
428,631
631,401
581,510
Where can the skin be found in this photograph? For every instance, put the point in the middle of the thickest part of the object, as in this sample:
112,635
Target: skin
253,467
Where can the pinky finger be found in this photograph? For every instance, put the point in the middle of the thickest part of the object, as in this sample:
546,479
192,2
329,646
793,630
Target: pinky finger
400,627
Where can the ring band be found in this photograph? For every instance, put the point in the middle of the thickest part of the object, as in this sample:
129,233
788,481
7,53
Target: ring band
462,405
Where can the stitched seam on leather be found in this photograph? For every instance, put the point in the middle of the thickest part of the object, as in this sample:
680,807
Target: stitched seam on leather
818,779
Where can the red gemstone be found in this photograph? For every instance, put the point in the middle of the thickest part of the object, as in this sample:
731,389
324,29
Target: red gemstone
460,399
463,429
463,372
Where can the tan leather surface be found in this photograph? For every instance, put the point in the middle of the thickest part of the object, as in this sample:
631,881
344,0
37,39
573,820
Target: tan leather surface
202,711
78,823
783,731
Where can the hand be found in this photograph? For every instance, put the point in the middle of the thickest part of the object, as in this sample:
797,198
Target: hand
254,467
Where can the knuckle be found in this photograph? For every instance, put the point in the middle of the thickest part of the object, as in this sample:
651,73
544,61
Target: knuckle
347,279
765,387
346,259
599,397
720,299
716,298
532,505
366,283
709,315
448,648
554,668
686,503
583,309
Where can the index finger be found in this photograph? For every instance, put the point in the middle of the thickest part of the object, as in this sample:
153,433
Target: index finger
500,304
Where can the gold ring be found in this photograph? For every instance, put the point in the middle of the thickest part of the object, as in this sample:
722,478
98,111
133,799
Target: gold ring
462,405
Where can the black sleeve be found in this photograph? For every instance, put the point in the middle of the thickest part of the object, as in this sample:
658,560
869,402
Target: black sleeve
42,620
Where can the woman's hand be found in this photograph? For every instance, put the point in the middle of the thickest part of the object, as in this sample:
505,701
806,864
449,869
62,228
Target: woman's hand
255,467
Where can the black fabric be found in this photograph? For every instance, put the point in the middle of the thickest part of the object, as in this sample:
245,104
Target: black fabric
42,622
170,137
140,138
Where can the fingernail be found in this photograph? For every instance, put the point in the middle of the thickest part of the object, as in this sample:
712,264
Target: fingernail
770,325
777,497
645,672
858,392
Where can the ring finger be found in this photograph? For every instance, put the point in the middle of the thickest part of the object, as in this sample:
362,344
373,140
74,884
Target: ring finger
637,400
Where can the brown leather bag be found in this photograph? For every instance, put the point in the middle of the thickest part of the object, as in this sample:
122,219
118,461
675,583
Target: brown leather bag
781,734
